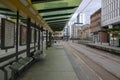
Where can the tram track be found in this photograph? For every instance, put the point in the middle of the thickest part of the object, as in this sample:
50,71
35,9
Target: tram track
101,53
94,67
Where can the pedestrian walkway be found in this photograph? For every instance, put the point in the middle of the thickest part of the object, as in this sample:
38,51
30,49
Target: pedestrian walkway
56,66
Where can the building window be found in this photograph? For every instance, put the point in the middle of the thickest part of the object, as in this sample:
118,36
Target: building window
116,12
110,15
112,6
113,14
118,3
119,11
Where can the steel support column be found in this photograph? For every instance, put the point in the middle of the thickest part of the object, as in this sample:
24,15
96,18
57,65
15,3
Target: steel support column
17,25
38,39
35,37
28,36
42,39
46,39
50,38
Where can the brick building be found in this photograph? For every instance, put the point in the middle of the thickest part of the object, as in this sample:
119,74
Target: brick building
97,32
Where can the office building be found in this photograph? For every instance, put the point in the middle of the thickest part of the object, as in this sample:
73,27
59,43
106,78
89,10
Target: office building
111,20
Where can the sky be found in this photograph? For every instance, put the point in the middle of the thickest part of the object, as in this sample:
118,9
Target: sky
88,7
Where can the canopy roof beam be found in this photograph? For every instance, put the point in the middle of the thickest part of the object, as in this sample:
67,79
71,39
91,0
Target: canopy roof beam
57,22
47,16
42,1
57,19
56,9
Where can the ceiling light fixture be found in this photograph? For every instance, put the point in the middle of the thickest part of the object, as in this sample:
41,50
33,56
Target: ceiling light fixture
24,2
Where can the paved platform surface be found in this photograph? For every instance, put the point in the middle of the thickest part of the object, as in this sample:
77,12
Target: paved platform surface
102,46
108,63
56,66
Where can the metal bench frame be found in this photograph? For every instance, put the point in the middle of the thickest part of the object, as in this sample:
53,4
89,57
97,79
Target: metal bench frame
20,66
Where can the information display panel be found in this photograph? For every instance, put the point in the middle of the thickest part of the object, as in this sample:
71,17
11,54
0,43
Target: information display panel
32,35
23,34
7,34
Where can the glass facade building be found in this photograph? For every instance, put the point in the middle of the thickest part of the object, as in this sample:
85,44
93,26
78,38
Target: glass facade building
111,20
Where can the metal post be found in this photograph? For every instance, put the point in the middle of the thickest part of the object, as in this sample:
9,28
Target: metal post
17,24
101,37
46,39
28,37
42,40
113,39
35,37
73,34
50,38
39,39
67,34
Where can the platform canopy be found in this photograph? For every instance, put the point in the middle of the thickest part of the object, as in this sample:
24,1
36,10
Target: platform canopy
56,12
52,13
9,8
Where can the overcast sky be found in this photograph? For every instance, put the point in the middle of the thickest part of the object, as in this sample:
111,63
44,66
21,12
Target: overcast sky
88,7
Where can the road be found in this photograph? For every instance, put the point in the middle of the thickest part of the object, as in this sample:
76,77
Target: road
92,64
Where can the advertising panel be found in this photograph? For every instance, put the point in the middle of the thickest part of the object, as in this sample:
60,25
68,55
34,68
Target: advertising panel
23,34
32,35
7,34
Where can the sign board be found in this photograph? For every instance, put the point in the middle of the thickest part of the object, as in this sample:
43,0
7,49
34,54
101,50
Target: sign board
7,34
23,34
32,35
78,24
36,35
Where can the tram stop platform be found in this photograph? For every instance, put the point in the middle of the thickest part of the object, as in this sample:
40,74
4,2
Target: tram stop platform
101,46
56,66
